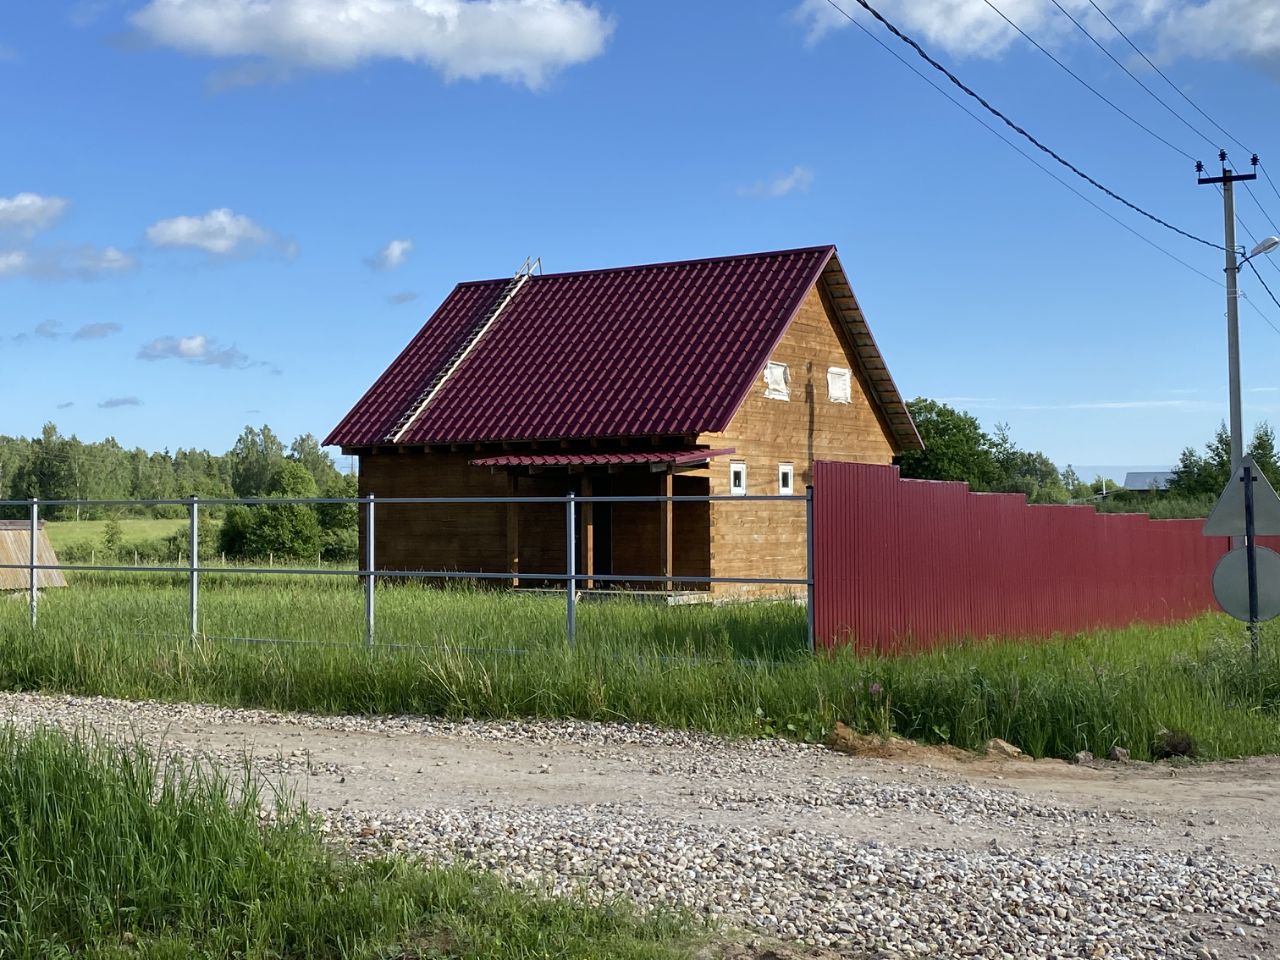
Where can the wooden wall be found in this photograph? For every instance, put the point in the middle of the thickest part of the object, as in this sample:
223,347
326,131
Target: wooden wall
473,537
768,539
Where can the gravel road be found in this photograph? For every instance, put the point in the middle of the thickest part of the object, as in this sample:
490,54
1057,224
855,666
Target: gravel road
919,857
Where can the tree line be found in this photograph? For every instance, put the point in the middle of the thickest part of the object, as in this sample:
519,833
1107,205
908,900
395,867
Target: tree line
958,448
259,464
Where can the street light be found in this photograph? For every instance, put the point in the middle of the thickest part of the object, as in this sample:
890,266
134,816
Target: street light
1266,246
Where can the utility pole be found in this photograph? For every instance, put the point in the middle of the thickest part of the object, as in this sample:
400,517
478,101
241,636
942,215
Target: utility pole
1228,180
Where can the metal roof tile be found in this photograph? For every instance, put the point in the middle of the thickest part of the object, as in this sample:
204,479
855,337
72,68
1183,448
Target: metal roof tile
662,349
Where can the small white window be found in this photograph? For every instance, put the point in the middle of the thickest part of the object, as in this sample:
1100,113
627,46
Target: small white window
777,381
839,385
786,478
738,479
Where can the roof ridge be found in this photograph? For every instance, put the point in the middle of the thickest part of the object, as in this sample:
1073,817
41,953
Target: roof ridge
697,261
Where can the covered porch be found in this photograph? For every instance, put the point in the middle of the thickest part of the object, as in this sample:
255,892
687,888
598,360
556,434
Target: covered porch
615,541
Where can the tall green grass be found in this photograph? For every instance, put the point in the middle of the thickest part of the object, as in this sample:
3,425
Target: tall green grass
737,670
109,853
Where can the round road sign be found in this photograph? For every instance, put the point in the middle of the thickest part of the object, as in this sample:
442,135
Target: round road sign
1231,583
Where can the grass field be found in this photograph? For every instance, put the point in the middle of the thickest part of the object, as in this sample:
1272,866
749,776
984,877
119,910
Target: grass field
159,861
738,670
63,533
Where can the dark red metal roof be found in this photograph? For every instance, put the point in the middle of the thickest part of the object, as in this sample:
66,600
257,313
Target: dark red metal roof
599,459
667,349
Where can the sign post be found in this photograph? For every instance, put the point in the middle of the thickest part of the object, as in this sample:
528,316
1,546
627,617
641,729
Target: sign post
1246,581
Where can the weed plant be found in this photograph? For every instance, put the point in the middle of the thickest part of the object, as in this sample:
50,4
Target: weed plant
737,669
110,854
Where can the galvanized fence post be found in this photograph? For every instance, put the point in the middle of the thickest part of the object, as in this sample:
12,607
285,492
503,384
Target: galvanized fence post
195,566
35,538
571,567
369,568
808,566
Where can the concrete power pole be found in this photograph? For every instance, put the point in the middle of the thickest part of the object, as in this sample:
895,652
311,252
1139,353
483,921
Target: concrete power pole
1228,180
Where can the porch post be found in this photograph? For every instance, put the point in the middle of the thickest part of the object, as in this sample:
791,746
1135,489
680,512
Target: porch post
665,541
513,530
588,533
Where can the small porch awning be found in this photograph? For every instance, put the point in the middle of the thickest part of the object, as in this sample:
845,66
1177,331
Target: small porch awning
659,457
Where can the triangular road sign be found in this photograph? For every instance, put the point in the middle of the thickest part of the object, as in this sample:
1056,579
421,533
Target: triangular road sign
1227,519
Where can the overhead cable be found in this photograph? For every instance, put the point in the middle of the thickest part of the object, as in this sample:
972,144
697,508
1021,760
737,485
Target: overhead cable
1178,90
1264,287
1084,83
1013,126
1112,57
960,104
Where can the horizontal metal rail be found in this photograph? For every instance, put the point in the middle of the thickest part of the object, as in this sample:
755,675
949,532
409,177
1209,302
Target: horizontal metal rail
360,501
572,579
402,574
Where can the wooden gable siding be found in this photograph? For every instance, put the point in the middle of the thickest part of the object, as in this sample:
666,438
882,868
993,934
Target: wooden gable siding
761,539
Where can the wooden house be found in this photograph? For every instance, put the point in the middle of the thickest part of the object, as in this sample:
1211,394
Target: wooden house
723,376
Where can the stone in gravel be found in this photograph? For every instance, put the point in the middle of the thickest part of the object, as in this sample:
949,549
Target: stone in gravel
1118,754
996,747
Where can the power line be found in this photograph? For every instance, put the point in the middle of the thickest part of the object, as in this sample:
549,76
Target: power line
1271,221
1269,180
1112,57
1178,90
1266,288
1009,123
1027,156
1084,83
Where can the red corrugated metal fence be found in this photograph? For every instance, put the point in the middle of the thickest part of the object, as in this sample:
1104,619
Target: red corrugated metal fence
915,563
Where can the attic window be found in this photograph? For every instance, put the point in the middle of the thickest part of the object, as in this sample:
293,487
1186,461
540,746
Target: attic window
777,381
839,385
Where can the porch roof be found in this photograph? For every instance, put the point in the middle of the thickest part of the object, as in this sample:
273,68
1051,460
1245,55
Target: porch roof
674,457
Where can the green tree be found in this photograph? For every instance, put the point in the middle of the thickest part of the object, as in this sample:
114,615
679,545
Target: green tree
1262,447
288,530
1202,475
255,460
112,538
339,522
235,536
955,447
307,451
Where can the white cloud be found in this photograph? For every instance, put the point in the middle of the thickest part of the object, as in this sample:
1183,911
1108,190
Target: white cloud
113,402
96,331
86,262
800,178
196,348
404,296
14,263
1211,29
90,260
49,329
219,231
1222,29
522,41
30,211
391,256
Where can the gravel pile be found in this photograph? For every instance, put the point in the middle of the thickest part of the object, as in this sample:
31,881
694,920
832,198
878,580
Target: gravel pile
1004,875
819,889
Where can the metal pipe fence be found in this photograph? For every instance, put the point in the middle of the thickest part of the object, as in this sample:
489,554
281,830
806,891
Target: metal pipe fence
572,578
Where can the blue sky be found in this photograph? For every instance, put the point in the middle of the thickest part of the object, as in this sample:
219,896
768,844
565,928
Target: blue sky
221,212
